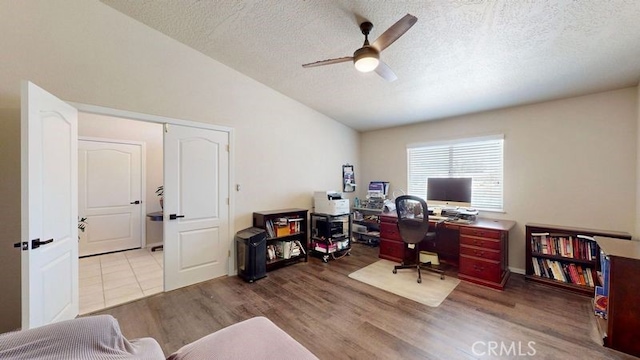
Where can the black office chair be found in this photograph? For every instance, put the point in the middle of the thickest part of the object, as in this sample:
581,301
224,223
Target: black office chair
413,226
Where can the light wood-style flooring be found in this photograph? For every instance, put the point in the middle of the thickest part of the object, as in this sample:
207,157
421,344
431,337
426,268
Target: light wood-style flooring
337,317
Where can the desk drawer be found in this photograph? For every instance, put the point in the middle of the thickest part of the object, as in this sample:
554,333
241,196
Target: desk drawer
483,269
488,254
389,231
480,242
391,250
485,233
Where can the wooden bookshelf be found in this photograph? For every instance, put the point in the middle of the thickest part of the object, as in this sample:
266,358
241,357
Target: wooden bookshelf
284,228
619,320
565,257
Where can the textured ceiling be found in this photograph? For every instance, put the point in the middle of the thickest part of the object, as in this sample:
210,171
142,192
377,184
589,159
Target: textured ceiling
460,57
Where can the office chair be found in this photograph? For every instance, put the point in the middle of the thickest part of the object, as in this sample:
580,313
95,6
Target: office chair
413,226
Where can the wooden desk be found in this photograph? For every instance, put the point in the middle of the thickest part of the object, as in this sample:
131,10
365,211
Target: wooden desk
480,250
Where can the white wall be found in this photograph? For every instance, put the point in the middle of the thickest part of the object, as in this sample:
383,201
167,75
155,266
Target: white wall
108,127
638,166
86,52
567,162
10,219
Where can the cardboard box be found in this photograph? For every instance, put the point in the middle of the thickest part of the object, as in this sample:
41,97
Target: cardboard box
426,256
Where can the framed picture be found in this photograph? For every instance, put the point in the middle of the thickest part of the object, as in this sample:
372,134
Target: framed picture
348,178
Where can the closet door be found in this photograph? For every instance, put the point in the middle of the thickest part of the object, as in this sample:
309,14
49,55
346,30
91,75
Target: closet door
196,205
110,194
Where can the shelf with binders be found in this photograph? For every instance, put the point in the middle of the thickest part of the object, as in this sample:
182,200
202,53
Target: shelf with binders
330,235
564,257
287,236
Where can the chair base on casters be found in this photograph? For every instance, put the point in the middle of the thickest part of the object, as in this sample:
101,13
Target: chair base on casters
419,266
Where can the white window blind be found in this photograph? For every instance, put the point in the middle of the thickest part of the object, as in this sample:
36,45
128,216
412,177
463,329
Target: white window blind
478,158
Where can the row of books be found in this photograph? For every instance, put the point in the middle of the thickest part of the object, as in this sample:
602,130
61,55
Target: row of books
576,247
283,226
328,247
602,292
565,272
285,250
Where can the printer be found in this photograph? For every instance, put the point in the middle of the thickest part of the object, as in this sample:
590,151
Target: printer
330,203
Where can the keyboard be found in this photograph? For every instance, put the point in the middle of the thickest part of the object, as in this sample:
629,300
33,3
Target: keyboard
437,218
459,221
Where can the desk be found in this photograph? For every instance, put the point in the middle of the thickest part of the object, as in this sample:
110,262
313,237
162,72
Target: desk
479,250
156,216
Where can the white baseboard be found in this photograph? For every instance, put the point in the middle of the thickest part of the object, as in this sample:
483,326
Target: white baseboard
517,270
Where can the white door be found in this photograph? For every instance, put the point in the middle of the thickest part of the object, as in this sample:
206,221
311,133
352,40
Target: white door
196,210
49,208
110,195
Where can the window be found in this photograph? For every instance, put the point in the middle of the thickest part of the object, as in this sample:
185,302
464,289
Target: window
478,158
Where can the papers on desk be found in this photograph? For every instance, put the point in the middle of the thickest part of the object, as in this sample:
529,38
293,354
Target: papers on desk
450,220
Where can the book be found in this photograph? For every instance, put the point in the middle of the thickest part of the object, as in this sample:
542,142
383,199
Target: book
301,247
581,274
589,279
536,267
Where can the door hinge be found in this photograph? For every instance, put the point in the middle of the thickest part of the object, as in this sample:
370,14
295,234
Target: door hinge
228,201
229,254
227,147
166,127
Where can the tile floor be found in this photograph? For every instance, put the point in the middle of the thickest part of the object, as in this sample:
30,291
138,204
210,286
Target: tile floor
112,279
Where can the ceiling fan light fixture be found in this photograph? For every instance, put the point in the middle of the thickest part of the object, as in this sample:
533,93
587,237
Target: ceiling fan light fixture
366,59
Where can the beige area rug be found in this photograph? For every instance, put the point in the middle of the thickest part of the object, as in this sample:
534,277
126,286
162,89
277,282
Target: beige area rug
431,292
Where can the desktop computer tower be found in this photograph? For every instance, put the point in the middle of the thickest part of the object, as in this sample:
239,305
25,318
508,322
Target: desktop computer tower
251,251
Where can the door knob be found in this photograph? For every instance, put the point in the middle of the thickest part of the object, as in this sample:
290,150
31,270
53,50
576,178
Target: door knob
35,243
135,202
174,216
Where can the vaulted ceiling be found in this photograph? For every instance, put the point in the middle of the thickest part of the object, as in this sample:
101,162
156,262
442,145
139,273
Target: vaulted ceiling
461,57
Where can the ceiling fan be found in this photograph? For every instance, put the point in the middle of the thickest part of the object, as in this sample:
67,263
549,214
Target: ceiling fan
367,58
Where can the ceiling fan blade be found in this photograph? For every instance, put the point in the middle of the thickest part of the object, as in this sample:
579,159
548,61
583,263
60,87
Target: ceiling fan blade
328,62
385,71
394,32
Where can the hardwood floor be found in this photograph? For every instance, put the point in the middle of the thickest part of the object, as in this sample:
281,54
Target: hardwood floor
336,317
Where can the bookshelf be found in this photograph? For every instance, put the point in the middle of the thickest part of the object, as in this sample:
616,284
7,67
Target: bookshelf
616,299
564,257
330,235
287,237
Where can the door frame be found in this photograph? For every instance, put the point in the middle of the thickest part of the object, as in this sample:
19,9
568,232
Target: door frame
167,121
143,177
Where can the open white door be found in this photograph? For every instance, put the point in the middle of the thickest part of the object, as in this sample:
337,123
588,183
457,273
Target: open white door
49,208
196,209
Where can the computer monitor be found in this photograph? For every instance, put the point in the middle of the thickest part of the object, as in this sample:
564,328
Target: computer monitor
449,192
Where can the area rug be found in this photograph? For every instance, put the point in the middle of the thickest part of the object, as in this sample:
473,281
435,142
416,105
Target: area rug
431,292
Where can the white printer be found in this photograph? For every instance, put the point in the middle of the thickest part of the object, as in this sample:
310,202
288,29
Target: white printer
330,203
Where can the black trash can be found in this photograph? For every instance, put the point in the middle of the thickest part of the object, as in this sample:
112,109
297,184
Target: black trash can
251,250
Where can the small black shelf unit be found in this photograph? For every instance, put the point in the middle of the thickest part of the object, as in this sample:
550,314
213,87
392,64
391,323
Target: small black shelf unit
287,236
366,227
330,235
